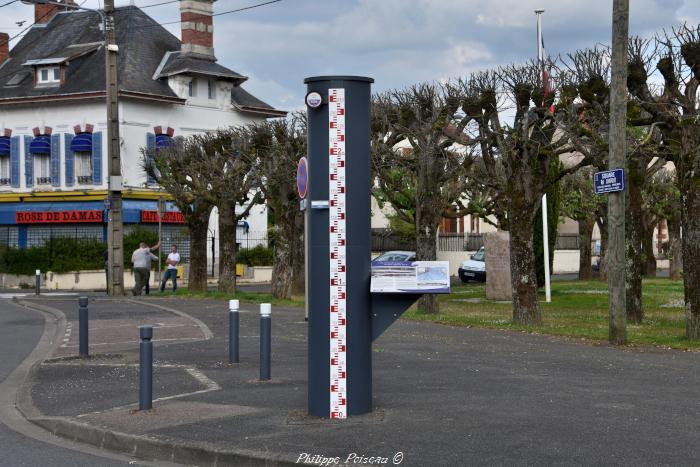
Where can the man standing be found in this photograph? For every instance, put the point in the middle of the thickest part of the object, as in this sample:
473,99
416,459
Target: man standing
141,258
171,272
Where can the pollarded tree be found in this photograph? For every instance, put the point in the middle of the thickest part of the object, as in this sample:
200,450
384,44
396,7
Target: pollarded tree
518,159
279,145
176,171
676,111
418,163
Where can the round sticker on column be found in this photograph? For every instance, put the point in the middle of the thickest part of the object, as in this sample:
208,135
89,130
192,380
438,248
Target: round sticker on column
314,100
302,177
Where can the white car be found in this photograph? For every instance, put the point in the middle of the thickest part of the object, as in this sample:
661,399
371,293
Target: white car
401,256
474,269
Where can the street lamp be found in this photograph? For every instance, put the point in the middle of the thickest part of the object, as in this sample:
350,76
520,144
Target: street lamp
115,231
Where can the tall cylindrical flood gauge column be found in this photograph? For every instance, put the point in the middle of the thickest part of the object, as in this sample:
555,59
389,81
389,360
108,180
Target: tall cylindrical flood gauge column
338,235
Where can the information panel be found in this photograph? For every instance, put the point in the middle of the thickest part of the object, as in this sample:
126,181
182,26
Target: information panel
410,277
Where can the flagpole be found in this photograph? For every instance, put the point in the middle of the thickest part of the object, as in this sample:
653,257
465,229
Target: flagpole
545,229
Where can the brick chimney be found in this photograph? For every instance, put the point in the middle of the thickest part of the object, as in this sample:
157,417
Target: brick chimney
4,46
44,13
197,28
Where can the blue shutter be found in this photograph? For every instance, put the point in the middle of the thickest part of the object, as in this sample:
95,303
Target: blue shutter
28,162
14,162
70,161
97,158
151,148
55,160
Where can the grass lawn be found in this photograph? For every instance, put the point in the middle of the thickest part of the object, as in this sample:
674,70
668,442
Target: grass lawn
248,297
578,309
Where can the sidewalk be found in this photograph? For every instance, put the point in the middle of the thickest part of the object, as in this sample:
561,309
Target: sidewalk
443,396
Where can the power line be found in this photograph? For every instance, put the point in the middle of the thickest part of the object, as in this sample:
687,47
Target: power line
230,11
8,3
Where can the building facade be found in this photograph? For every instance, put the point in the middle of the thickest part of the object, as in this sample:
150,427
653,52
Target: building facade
53,142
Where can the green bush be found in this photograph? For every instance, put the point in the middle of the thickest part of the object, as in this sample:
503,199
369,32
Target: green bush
136,236
258,256
57,255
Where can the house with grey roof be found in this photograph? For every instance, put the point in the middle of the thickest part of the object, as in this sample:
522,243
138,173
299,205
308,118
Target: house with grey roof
53,141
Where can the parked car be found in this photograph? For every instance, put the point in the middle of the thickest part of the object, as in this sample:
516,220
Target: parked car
474,269
396,256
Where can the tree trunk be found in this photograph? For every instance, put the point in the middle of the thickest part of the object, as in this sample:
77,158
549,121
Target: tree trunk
585,233
426,250
526,305
227,247
298,258
283,262
634,231
648,251
198,224
689,187
675,252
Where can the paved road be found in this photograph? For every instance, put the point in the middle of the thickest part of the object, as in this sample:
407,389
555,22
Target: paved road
20,330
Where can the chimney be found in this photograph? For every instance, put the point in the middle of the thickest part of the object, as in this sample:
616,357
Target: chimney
197,28
4,46
43,13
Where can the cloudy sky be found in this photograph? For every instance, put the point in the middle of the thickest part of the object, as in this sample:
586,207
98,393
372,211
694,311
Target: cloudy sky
397,42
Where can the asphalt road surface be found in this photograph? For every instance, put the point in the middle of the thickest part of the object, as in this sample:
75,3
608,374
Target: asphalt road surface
20,331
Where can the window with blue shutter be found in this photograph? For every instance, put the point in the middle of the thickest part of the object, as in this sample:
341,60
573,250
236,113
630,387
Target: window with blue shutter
28,162
151,148
70,160
56,160
97,158
14,162
4,160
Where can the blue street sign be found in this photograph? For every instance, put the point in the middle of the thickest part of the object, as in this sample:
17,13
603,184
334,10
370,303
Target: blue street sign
609,181
302,177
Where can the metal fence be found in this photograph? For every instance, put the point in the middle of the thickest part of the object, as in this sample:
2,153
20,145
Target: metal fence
386,240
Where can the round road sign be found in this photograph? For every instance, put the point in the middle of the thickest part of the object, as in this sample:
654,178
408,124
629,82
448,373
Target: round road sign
302,177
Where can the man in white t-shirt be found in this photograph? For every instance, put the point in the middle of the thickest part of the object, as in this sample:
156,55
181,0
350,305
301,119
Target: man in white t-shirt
171,272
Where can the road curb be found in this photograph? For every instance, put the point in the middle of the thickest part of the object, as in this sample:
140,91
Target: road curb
139,446
203,327
144,447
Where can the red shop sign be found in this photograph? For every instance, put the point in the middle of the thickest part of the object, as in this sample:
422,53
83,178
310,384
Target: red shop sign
169,217
57,217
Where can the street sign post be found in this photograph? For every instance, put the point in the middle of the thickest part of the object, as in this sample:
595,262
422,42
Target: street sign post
609,181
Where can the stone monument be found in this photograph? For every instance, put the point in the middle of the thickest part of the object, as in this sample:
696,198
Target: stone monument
498,281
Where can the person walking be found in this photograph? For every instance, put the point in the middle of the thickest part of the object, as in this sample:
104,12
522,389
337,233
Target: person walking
171,272
141,259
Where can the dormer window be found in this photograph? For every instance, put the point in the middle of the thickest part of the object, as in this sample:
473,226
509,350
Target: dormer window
48,75
212,88
192,88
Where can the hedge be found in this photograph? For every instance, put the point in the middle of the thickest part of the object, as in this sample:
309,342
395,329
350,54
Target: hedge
57,255
258,256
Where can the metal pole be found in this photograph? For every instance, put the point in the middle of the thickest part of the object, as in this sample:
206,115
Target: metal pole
146,368
616,160
115,237
545,227
83,325
37,282
161,210
545,240
265,340
233,331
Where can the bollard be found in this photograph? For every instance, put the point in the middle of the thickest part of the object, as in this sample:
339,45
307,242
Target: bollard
37,281
83,325
265,340
233,330
146,368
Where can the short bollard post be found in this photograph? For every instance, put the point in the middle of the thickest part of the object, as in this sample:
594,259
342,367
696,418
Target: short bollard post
265,340
233,329
37,281
146,368
83,325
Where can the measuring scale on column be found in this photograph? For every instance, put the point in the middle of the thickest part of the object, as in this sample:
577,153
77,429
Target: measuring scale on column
337,241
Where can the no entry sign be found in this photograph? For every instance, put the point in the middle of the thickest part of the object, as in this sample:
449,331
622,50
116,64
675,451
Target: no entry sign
302,177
